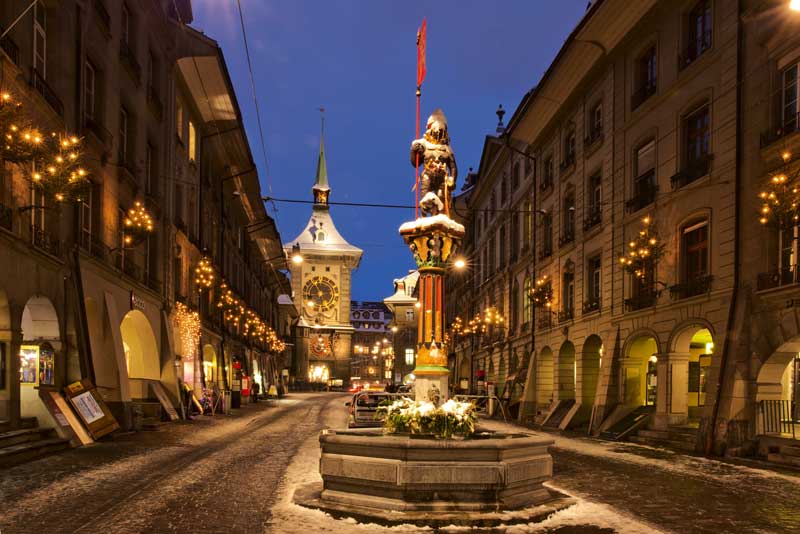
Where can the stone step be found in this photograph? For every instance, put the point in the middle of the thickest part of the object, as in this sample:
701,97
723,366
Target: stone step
30,450
791,450
784,459
148,409
663,443
25,422
13,437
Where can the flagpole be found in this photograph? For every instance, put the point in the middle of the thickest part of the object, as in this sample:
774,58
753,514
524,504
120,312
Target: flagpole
416,163
421,67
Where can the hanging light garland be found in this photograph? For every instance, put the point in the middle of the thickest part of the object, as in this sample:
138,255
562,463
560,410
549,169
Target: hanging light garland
58,172
643,252
204,275
21,142
138,224
541,294
779,201
189,328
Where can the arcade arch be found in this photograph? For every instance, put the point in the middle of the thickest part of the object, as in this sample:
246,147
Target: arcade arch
141,353
639,371
566,371
41,341
591,357
544,377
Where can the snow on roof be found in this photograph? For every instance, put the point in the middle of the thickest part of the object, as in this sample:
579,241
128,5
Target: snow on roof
321,235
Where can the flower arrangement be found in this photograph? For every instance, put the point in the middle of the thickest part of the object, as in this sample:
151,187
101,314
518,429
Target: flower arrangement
424,417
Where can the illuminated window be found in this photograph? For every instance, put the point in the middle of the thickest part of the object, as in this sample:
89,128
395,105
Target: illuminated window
192,142
409,356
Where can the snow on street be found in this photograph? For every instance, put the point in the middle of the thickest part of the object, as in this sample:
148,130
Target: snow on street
238,474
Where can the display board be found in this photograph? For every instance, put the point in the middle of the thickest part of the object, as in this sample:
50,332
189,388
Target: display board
91,408
163,398
67,425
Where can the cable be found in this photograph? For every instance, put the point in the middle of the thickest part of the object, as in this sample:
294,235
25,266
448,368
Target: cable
255,101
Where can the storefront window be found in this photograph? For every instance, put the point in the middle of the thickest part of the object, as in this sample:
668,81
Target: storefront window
28,364
47,362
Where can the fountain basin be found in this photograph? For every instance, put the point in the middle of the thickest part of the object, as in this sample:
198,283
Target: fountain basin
398,478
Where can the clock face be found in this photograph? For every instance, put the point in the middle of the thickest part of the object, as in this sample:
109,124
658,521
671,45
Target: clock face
322,291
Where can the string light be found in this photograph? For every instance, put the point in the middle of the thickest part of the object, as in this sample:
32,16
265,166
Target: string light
643,252
138,224
779,201
541,294
20,142
189,329
204,274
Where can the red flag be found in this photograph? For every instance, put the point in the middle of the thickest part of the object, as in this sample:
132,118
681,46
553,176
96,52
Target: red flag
421,53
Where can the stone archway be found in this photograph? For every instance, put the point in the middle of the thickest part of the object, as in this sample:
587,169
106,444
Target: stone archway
639,379
565,371
5,357
41,342
544,377
141,353
683,370
590,362
464,374
210,364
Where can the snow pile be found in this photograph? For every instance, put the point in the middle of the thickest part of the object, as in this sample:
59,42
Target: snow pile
423,223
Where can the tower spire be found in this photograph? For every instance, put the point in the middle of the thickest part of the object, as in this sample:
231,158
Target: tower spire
321,188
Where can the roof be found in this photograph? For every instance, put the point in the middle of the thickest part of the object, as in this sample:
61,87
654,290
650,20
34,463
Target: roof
321,183
404,289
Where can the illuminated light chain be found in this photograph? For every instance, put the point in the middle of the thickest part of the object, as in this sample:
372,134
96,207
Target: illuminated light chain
541,294
643,252
189,330
204,275
58,172
235,311
780,199
138,224
21,142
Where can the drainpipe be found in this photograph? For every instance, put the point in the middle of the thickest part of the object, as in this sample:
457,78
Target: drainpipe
731,331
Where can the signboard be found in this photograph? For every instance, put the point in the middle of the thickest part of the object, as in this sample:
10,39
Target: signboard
68,426
137,302
161,395
91,408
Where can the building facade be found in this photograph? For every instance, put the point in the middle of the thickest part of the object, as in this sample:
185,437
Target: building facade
373,359
80,298
323,281
403,305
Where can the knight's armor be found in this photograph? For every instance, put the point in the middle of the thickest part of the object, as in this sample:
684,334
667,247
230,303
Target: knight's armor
438,162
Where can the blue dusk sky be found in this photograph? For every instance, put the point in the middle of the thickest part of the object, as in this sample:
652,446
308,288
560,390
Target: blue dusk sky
357,59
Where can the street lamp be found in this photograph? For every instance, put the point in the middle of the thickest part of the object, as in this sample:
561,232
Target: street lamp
794,5
296,257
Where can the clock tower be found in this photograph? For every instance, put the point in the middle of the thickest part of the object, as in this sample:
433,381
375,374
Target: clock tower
321,285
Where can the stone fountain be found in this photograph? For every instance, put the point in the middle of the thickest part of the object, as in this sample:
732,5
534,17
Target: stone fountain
392,479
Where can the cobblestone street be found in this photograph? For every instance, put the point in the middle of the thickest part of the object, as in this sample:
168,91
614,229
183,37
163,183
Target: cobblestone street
237,474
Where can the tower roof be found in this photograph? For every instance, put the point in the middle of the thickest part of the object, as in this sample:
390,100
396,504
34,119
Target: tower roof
321,183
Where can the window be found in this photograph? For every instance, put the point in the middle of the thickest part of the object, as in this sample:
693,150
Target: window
493,205
409,356
514,305
694,246
547,173
790,96
644,185
528,225
179,119
38,208
547,234
699,31
123,135
593,282
504,190
697,134
527,305
514,237
40,39
569,150
125,26
409,315
179,206
568,293
492,254
595,123
529,164
192,142
515,176
89,92
151,169
85,218
568,217
646,77
502,262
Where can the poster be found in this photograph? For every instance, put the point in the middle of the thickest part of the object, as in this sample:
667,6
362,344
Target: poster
87,407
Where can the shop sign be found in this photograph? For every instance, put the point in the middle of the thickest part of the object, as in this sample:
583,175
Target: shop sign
91,408
137,302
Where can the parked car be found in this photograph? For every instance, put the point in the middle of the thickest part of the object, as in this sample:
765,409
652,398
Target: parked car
363,407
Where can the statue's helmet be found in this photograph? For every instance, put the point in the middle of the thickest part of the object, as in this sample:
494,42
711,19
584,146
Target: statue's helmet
436,128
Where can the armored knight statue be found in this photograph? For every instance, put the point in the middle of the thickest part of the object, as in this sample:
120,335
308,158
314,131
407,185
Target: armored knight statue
438,162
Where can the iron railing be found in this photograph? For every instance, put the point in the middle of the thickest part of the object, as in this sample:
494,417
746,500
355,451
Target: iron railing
40,84
10,48
778,417
691,288
44,240
566,315
6,217
645,299
569,161
694,50
595,134
546,319
777,278
645,191
567,236
94,126
546,251
593,217
789,126
102,15
692,171
642,94
591,306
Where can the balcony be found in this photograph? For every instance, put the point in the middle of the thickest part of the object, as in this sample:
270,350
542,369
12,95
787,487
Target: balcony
546,319
642,94
6,217
591,306
646,299
592,218
44,240
645,194
546,251
566,315
10,48
595,135
103,18
693,170
694,50
546,183
154,103
91,124
788,127
131,63
692,288
567,236
38,82
781,277
94,246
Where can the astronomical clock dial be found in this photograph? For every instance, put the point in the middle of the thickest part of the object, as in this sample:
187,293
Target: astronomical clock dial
323,292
